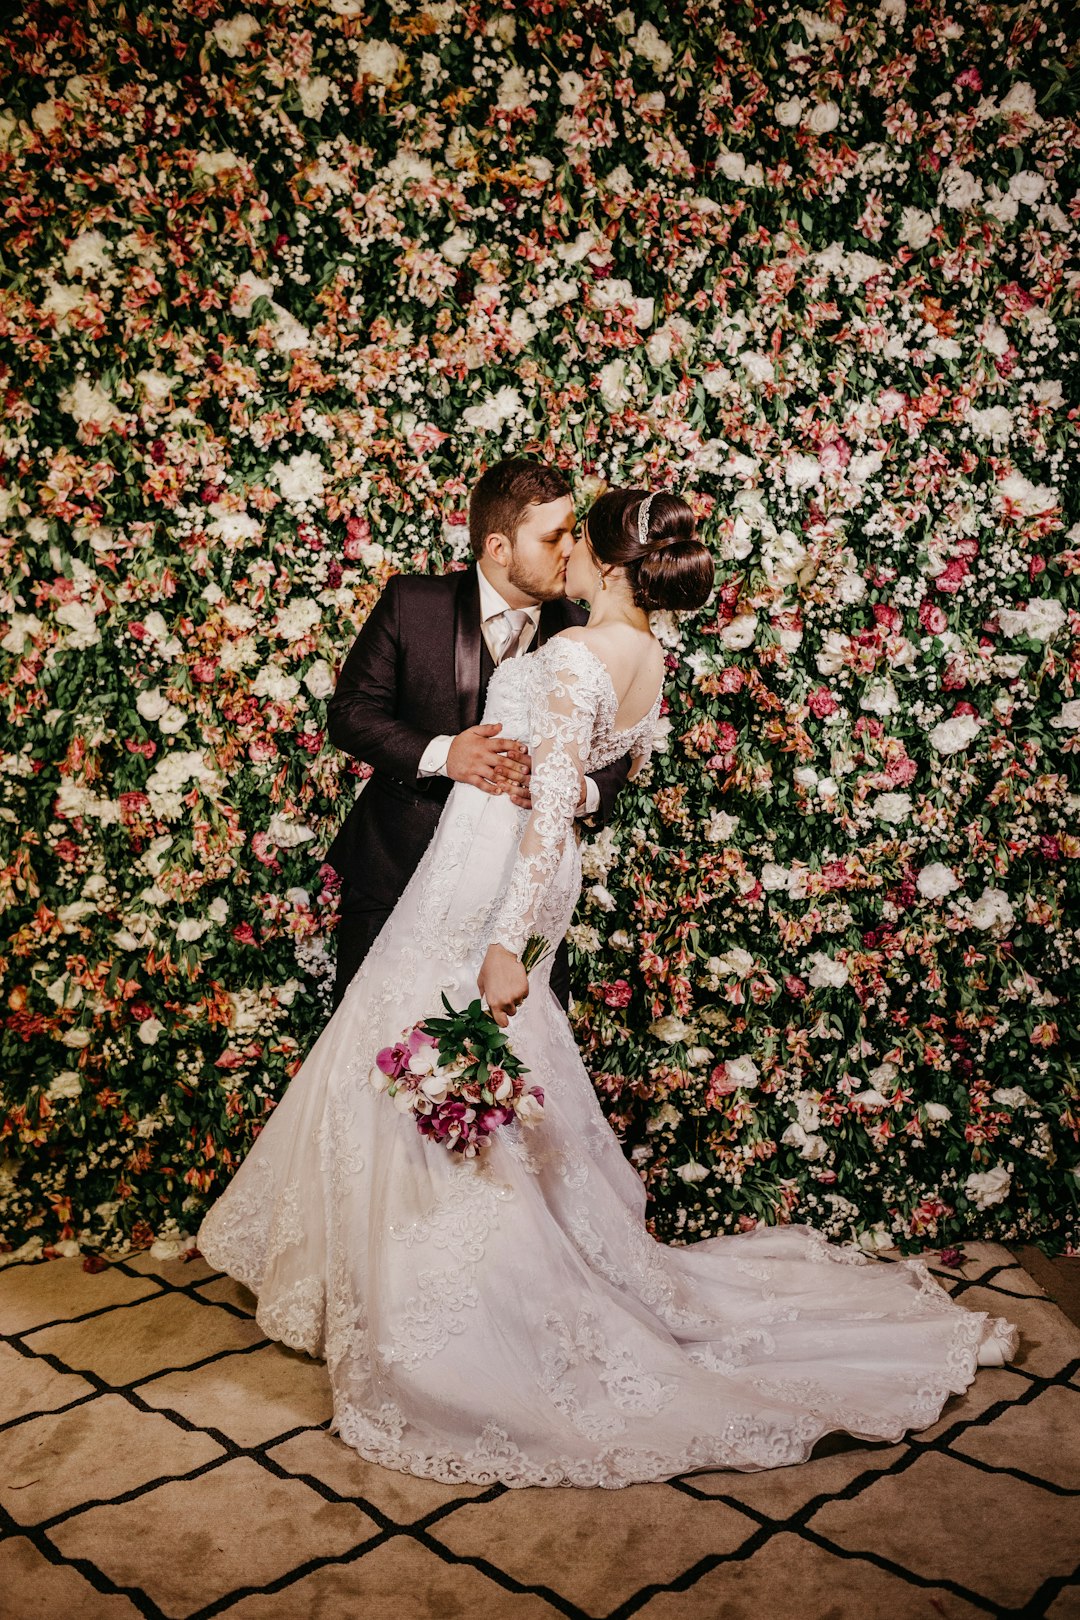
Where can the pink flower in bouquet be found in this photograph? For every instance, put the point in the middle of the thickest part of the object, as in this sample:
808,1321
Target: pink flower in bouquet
821,703
394,1061
931,617
617,995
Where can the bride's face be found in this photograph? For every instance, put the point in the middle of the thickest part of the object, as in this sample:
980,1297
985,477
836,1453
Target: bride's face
582,574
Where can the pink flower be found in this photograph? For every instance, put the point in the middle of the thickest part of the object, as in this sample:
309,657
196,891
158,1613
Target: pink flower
617,995
932,619
821,702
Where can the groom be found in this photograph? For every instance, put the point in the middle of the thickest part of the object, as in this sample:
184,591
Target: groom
411,692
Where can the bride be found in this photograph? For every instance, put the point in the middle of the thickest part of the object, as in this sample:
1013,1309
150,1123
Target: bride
509,1317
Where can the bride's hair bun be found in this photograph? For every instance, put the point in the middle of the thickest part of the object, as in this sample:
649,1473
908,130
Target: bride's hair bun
672,570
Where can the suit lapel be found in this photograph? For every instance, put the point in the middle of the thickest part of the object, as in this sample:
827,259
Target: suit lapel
467,644
552,619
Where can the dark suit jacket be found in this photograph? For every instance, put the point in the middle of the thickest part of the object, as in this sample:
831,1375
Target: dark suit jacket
418,668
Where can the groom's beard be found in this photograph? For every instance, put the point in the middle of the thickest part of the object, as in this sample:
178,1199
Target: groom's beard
543,580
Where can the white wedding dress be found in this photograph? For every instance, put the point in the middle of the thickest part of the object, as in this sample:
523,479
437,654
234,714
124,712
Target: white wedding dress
509,1318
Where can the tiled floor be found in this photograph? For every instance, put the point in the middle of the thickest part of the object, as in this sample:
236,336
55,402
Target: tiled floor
160,1457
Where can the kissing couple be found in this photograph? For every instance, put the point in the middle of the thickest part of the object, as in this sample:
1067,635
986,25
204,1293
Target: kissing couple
509,1317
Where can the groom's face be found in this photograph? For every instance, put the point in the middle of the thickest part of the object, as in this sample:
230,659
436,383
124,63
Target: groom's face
534,563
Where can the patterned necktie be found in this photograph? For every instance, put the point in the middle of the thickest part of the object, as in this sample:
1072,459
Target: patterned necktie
508,629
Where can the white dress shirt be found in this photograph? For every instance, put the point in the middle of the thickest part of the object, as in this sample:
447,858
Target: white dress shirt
433,759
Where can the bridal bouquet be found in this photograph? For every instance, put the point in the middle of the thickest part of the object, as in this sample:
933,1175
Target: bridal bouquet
458,1076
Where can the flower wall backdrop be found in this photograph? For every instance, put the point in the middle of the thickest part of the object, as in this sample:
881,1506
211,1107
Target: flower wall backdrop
279,282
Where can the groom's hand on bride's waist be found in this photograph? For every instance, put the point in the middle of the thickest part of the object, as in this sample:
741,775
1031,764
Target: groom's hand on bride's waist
494,764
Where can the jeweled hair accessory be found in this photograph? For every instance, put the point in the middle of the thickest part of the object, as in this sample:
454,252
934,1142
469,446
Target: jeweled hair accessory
643,521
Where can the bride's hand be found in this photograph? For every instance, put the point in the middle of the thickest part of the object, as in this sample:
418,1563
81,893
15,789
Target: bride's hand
503,983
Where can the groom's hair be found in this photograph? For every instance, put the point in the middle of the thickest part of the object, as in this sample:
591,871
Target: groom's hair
501,494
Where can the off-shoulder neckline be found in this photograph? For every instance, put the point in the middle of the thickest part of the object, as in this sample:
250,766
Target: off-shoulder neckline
616,731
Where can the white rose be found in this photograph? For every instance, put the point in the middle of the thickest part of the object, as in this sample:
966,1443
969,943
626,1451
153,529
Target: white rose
570,87
514,88
880,698
938,1111
20,627
149,1031
300,479
957,188
1068,716
81,620
1020,99
191,928
936,880
313,95
233,35
1013,1097
377,59
65,1084
775,877
151,703
892,808
739,633
788,113
648,44
218,910
988,1187
953,735
822,117
826,972
993,906
614,390
1045,616
916,227
670,1029
810,1147
720,826
743,1071
319,679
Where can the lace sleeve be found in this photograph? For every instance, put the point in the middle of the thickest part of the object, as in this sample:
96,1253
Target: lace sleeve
562,714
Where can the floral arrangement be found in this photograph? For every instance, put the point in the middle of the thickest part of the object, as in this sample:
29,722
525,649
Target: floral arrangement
459,1079
282,280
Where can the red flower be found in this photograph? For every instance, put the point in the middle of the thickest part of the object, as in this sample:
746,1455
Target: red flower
821,702
931,617
617,995
244,934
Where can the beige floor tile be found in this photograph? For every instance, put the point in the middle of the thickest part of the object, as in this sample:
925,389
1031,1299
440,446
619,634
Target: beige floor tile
227,1291
34,1589
181,1273
791,1579
100,1449
404,1498
992,1384
251,1398
57,1290
1041,1438
397,1581
1018,1283
28,1384
233,1527
946,1521
1048,1340
166,1331
594,1547
779,1492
